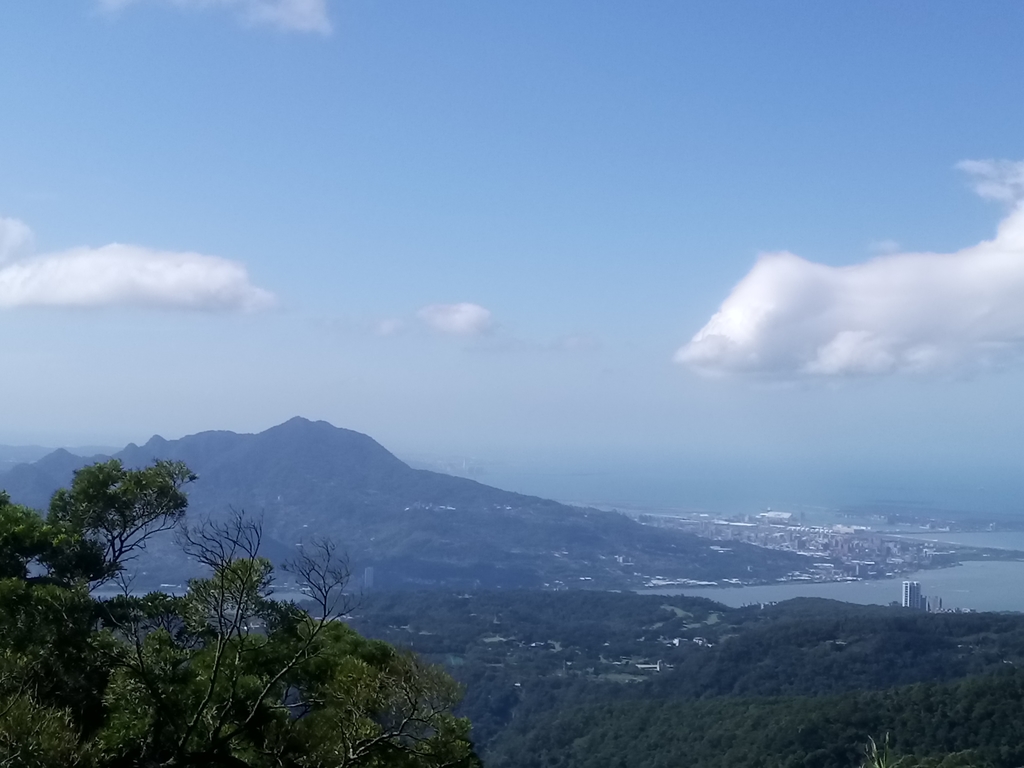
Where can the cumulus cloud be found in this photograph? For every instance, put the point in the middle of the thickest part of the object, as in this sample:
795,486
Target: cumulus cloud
126,275
902,312
290,15
463,319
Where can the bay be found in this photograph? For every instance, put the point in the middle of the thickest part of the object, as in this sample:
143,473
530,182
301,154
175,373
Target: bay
975,585
990,539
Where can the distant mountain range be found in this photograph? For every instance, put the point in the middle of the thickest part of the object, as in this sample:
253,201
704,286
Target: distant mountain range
414,527
12,455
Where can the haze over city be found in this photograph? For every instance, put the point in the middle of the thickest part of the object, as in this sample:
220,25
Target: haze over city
722,256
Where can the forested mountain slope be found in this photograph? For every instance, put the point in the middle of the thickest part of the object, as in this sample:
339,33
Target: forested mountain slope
415,527
572,678
978,722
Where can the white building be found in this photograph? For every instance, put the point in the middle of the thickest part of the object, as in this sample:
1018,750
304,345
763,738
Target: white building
912,597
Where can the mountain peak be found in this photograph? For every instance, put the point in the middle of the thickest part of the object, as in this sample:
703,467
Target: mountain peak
302,424
301,420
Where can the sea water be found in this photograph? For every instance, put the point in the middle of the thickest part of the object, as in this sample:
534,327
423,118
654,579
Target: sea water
975,585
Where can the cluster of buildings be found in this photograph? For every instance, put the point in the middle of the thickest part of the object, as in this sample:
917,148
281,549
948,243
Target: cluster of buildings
913,598
834,552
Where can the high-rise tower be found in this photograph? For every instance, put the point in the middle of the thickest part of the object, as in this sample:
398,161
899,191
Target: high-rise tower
912,595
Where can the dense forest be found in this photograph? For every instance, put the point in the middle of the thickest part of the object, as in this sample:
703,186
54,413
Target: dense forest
979,721
571,678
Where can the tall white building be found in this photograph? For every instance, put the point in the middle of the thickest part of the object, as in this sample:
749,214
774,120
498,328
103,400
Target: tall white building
912,597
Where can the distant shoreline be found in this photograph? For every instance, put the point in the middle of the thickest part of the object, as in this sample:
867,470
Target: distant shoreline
972,585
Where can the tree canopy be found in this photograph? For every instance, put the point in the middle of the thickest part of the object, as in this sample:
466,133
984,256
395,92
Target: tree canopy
222,675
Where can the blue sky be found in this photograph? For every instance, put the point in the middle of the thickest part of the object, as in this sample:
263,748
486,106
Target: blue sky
491,230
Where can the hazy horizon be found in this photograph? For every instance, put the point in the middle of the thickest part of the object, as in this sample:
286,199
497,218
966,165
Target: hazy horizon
707,483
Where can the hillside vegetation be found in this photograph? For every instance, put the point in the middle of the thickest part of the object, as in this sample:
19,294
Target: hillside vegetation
222,676
571,678
226,675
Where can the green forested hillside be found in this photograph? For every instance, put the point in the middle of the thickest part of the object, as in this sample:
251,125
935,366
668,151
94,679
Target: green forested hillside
566,679
982,717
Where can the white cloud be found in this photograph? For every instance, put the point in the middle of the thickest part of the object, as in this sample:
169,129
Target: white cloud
125,275
896,313
290,15
463,319
1001,180
15,239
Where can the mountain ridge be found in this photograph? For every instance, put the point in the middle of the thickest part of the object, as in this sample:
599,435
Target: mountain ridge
416,527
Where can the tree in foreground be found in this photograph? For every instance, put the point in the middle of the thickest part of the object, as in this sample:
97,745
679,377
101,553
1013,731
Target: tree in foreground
882,756
223,675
